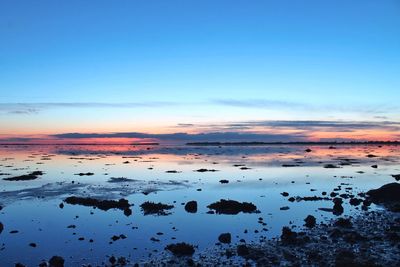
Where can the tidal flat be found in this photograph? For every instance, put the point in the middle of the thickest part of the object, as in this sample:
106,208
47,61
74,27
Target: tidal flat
164,205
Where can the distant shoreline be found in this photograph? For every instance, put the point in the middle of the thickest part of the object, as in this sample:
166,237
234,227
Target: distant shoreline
217,144
291,143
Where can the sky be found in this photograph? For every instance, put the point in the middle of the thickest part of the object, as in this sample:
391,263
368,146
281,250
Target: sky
248,70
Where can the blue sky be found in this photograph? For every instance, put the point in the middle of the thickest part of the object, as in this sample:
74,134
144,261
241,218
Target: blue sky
170,62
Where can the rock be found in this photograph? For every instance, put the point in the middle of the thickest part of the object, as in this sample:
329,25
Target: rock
232,207
225,238
330,166
191,206
206,170
1,227
388,195
181,249
31,176
337,207
223,181
85,174
121,204
374,166
344,223
242,250
288,236
149,208
388,192
285,194
56,261
310,221
284,208
308,150
33,245
355,201
396,176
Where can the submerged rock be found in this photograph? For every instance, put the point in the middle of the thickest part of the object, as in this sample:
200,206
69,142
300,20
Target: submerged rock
191,206
121,204
149,208
232,207
181,249
310,221
225,238
56,261
288,236
26,177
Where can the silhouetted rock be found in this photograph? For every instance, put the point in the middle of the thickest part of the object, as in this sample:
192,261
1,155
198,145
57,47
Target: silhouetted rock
308,150
223,181
388,195
285,194
288,236
242,250
232,207
56,261
396,176
181,249
330,166
337,207
85,173
121,204
31,176
225,238
206,170
342,222
155,208
310,221
191,206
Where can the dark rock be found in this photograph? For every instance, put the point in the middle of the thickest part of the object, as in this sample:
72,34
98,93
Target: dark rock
160,209
337,207
355,201
284,208
232,207
308,150
191,206
396,176
206,170
242,250
330,166
310,221
374,166
388,192
121,204
33,245
56,261
1,227
225,238
285,194
85,173
31,176
223,181
181,249
288,236
344,223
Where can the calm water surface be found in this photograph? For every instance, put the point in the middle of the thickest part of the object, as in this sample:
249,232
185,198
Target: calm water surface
32,207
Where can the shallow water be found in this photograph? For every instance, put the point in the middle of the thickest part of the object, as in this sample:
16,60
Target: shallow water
32,207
